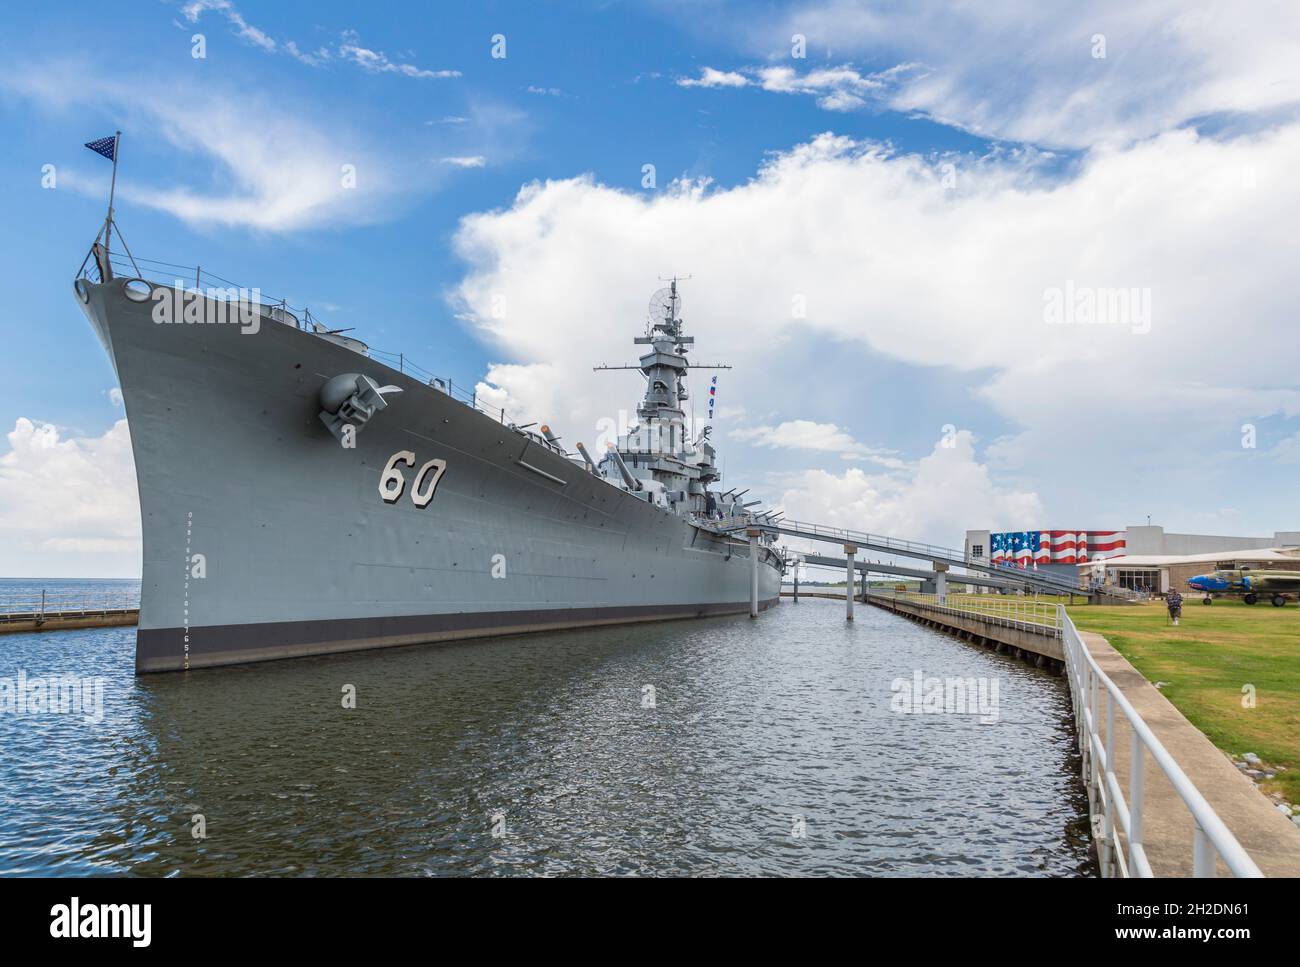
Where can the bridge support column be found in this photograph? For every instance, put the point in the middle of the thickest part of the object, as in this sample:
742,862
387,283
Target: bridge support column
796,583
849,579
941,582
752,533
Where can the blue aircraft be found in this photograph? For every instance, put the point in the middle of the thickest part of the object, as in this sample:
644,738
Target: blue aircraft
1248,583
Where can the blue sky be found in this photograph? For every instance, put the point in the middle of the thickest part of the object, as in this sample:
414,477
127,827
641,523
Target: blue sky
610,116
778,178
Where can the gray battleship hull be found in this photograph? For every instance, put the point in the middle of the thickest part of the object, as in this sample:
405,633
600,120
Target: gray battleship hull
266,539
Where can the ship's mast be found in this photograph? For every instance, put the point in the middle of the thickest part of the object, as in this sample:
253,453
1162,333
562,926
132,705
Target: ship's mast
665,365
672,469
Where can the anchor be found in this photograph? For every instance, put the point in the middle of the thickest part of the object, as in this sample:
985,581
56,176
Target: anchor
348,401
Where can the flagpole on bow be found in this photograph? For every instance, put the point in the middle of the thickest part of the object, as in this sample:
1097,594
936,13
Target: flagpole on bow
112,190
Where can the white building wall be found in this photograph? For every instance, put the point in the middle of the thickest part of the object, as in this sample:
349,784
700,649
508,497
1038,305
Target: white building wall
980,538
1154,540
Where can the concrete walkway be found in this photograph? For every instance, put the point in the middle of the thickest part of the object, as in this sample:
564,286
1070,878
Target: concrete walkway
1271,839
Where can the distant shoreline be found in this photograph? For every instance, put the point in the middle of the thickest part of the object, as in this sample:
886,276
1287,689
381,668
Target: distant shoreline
13,577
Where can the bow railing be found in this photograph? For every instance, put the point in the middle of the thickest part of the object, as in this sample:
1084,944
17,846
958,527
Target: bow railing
171,275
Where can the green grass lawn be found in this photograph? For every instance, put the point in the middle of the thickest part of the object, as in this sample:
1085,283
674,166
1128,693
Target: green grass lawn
1207,660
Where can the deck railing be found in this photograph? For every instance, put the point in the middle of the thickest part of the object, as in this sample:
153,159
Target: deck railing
281,311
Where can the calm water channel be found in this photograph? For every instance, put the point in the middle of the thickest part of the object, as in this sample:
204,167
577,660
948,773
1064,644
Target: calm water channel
716,746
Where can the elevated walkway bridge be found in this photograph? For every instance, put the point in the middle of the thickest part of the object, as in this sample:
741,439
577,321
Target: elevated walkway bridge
941,558
1008,583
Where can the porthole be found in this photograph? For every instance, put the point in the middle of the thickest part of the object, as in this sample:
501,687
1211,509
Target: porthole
137,290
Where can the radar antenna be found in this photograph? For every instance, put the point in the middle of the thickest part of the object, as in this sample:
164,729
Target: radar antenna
665,309
664,316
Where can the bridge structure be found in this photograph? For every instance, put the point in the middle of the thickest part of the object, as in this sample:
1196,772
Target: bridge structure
934,578
915,573
941,559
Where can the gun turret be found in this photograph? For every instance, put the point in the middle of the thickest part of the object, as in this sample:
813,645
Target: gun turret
631,481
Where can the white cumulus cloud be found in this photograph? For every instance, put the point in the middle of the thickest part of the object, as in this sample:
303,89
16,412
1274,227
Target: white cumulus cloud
842,88
347,49
811,435
1060,74
842,243
709,77
275,165
196,8
68,504
947,492
377,62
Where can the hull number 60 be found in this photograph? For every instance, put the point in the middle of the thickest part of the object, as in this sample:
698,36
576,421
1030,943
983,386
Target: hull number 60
392,481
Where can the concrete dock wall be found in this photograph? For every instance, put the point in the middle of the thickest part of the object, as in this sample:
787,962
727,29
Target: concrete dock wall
1032,646
65,622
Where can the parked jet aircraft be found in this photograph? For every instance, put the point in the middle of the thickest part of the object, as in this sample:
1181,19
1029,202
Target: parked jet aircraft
1248,583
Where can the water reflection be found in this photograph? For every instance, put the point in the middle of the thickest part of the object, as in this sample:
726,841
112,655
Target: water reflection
758,730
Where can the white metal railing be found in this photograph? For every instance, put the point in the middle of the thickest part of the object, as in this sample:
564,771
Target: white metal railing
23,605
907,548
1013,612
1211,839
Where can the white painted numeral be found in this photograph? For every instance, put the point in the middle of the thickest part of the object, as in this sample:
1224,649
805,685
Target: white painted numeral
391,481
420,497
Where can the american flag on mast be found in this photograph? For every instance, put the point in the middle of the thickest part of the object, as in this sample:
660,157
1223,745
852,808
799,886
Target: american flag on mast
1028,549
105,146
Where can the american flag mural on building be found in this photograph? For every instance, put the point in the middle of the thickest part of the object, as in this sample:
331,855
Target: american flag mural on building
1028,549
